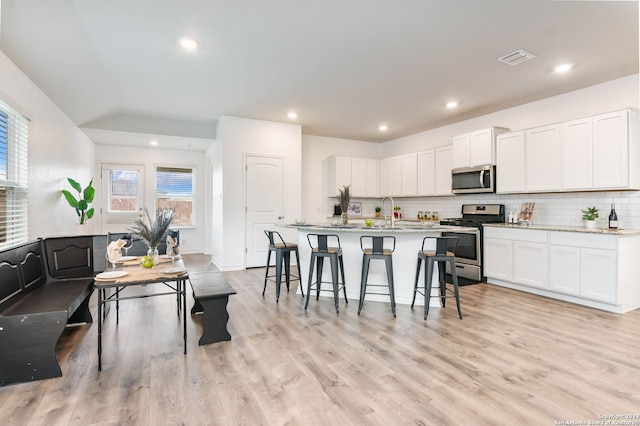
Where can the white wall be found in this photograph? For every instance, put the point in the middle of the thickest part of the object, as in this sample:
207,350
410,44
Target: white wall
240,136
610,96
315,149
57,150
560,209
192,239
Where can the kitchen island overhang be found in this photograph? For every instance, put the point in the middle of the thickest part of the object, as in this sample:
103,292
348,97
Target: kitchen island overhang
408,244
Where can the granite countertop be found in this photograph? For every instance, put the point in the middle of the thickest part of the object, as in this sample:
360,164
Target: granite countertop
377,229
562,228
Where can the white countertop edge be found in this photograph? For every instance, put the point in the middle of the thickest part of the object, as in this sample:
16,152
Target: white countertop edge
380,230
561,228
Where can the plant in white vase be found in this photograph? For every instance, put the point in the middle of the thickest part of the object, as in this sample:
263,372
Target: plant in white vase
589,216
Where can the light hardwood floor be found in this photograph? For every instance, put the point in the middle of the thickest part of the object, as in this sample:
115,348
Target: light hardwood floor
515,358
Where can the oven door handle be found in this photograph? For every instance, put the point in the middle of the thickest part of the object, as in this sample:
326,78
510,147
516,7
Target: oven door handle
482,179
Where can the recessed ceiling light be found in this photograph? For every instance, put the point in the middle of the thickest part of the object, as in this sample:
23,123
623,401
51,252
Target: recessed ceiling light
154,142
563,68
452,104
383,127
189,43
292,115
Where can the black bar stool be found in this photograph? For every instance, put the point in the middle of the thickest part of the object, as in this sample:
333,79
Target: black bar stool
283,255
444,252
321,248
374,248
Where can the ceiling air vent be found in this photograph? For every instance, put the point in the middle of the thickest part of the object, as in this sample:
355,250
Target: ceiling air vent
517,57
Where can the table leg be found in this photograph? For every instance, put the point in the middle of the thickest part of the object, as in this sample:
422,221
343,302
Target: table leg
183,287
100,307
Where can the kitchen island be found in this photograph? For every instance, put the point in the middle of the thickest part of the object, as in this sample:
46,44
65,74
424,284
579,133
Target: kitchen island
408,243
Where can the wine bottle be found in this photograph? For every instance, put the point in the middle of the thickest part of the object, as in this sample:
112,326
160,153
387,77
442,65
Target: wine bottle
613,218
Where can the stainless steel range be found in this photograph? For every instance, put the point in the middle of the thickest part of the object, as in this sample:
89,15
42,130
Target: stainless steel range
469,254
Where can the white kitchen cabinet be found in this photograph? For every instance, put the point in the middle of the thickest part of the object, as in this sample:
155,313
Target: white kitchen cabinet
360,173
497,259
383,180
409,175
577,154
476,148
338,174
592,153
359,177
543,163
530,263
597,270
372,178
598,274
615,150
444,160
460,146
510,163
427,172
564,269
395,176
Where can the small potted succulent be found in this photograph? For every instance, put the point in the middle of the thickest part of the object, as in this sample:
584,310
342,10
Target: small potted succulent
397,212
378,210
589,216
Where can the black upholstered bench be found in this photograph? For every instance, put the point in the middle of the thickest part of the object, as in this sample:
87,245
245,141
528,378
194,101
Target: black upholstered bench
211,293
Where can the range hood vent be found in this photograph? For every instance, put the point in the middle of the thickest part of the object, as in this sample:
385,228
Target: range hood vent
516,58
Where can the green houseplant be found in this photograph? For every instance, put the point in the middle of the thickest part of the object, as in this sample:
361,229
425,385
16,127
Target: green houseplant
81,204
378,210
589,216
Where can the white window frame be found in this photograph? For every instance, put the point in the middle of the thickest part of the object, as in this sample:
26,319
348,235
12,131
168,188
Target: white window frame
193,190
16,183
121,217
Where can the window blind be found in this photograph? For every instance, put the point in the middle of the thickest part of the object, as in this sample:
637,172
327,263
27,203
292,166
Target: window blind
174,191
14,136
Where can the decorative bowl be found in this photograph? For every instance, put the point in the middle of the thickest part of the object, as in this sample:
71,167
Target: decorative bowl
300,221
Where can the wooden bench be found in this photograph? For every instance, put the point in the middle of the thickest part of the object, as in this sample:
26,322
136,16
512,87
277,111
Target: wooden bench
211,294
36,307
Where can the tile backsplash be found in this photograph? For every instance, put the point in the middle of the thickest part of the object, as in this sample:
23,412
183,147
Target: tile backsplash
551,209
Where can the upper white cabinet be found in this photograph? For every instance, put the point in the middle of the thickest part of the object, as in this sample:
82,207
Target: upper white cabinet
427,172
510,169
577,154
410,174
543,163
360,173
395,177
444,161
476,148
615,150
593,153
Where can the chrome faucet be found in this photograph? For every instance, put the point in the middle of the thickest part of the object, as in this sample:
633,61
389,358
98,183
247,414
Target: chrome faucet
393,219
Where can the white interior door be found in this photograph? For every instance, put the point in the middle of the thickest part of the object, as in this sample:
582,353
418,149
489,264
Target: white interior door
264,204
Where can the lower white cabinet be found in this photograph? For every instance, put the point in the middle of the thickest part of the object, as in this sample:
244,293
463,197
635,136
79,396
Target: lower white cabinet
597,270
497,258
564,269
530,263
598,274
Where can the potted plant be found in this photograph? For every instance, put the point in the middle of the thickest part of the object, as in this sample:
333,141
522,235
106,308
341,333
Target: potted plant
378,210
153,233
81,204
589,216
344,199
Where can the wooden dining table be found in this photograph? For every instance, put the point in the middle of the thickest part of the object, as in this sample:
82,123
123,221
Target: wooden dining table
112,287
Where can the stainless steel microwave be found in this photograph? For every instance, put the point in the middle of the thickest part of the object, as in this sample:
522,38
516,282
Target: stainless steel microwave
473,180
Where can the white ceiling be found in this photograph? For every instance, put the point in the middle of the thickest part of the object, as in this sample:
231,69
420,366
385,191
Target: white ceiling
345,66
